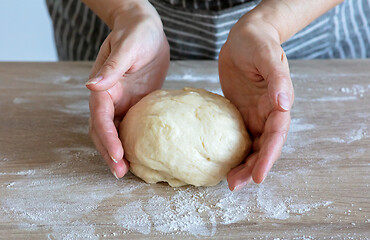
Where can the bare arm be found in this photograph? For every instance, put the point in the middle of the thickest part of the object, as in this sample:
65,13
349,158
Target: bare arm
109,10
290,16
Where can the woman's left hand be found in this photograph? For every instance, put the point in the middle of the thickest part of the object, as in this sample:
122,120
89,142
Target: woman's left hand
254,75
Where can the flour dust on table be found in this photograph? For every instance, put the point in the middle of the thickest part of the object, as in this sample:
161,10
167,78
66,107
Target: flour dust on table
47,199
58,186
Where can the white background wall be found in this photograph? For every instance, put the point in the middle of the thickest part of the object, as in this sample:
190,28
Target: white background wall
26,32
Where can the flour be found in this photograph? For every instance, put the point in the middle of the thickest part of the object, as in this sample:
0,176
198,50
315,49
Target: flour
25,173
297,135
358,134
298,125
67,205
19,100
191,76
132,217
199,211
357,90
76,108
57,200
334,99
50,199
87,202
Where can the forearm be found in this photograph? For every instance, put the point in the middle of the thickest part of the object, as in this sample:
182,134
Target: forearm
109,10
290,16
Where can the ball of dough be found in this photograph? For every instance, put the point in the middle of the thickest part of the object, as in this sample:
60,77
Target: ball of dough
188,136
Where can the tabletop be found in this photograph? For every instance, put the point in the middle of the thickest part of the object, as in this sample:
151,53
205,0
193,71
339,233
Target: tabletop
54,184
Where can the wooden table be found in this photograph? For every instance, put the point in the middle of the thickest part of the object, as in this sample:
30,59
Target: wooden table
53,183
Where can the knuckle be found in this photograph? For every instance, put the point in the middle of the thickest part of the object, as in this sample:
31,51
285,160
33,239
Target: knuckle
111,65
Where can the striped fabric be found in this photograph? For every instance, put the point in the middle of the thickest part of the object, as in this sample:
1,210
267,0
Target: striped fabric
197,29
209,5
198,34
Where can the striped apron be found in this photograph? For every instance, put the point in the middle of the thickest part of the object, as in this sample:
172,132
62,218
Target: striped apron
197,29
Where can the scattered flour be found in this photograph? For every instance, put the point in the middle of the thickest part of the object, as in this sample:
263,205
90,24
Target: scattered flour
132,217
357,90
19,100
75,108
334,99
52,199
358,134
298,125
25,173
68,205
190,76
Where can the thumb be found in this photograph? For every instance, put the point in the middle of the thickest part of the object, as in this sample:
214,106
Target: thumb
114,68
274,69
280,87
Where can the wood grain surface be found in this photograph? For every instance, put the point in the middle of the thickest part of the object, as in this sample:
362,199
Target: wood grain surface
54,184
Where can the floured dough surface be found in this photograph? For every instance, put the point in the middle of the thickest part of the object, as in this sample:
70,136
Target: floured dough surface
188,136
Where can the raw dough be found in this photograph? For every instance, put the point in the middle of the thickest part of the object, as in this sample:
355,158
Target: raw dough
188,136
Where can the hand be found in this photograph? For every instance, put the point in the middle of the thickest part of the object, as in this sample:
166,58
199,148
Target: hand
254,75
132,62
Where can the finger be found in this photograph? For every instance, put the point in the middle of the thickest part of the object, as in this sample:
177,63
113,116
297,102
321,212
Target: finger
118,169
102,114
280,85
273,139
100,59
115,66
240,176
274,68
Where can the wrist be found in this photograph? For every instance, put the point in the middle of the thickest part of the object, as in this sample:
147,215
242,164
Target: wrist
290,16
134,12
266,20
259,28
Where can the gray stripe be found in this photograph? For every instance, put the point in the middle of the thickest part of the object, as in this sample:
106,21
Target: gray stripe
366,30
198,34
311,42
346,33
66,43
80,45
320,25
356,31
73,39
180,33
338,46
317,54
315,29
194,27
194,45
58,35
100,35
322,47
194,53
217,16
210,24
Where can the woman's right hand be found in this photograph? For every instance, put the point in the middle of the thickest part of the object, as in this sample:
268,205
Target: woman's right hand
132,62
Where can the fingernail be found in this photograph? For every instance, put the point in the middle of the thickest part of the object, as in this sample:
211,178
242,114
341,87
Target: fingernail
283,101
113,159
94,80
115,174
239,186
264,177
